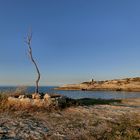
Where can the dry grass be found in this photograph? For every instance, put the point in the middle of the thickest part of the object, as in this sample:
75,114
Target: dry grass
5,105
127,128
13,93
81,122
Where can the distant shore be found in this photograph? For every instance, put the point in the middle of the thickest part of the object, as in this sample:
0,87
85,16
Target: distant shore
127,84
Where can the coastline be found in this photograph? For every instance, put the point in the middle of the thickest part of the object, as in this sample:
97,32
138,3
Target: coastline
127,84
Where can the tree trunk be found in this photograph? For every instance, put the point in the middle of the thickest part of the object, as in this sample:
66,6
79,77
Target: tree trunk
28,41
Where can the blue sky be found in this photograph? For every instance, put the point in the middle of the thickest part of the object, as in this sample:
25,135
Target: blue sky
73,40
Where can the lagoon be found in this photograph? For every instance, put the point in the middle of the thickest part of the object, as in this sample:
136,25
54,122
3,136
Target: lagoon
80,94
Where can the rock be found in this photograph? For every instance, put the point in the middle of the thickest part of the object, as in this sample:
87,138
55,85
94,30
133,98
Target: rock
36,96
13,100
17,102
127,84
47,96
47,99
3,130
21,96
25,101
22,128
38,102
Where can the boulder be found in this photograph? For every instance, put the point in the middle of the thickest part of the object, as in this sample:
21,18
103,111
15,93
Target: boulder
36,96
16,101
47,96
47,99
25,102
38,102
21,96
13,101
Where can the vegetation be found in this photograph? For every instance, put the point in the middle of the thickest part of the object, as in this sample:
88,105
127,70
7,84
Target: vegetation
87,101
11,93
82,119
126,128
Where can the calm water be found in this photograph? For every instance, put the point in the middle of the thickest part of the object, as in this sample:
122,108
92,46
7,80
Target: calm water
83,94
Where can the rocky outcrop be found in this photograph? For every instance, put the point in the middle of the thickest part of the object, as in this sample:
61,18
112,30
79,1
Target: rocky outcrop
21,128
36,100
127,84
36,96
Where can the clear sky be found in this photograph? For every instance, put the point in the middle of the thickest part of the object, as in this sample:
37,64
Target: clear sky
73,40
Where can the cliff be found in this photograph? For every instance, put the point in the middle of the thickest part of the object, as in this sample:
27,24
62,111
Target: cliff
127,84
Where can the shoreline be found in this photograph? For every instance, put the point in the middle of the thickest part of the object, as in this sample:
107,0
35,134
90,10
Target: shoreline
127,84
113,90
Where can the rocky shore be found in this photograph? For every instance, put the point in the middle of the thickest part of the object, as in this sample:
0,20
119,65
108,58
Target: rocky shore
127,84
55,117
94,122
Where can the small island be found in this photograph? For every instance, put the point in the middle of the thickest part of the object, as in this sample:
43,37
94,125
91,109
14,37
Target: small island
127,84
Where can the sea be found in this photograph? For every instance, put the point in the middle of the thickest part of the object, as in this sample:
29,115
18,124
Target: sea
77,94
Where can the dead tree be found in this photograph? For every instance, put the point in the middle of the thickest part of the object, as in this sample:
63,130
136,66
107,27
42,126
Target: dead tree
28,42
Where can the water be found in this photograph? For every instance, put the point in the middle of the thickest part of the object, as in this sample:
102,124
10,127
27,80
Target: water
82,94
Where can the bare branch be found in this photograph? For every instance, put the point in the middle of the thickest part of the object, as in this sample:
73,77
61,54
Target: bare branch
28,42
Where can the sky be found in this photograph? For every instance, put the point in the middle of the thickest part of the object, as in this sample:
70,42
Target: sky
73,40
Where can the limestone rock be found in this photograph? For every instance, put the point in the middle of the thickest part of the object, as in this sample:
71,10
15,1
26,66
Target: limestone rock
46,96
47,99
21,96
127,84
37,102
12,100
25,101
36,96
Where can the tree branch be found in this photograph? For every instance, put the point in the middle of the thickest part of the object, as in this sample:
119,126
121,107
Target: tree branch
28,42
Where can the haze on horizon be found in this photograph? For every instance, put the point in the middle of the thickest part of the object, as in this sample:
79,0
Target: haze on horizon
73,41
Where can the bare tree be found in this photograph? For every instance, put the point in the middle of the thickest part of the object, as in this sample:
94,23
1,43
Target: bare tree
28,42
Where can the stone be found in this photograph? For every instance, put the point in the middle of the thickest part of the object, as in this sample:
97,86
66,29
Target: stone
47,99
3,130
36,96
25,101
12,100
21,96
38,102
